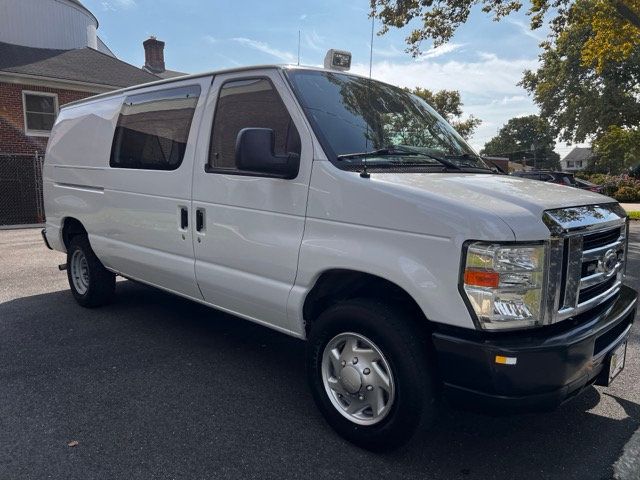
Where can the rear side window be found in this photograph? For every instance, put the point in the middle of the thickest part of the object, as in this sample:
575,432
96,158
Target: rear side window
153,129
253,103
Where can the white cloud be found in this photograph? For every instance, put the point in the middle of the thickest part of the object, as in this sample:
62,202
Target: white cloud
115,5
487,76
313,40
210,39
439,51
229,60
281,55
511,99
303,16
525,29
390,51
487,84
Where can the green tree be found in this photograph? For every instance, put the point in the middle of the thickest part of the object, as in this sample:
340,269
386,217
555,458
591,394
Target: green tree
517,137
617,149
449,104
583,102
615,24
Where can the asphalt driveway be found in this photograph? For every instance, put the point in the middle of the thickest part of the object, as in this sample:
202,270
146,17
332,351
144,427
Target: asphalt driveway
155,386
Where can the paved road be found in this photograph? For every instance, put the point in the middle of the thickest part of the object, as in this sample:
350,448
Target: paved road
631,207
154,386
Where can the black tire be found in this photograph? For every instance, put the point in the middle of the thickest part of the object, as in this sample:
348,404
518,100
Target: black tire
405,348
101,282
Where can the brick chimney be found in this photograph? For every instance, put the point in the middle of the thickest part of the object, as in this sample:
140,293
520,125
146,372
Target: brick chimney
154,55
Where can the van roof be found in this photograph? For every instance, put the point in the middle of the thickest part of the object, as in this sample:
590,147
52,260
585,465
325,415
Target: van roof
200,75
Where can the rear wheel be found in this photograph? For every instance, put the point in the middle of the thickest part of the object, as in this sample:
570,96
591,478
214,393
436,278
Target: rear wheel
369,373
92,285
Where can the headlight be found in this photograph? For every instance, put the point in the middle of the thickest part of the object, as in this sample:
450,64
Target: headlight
505,284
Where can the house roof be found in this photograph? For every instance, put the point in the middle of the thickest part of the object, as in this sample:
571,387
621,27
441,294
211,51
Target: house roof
80,65
166,73
579,153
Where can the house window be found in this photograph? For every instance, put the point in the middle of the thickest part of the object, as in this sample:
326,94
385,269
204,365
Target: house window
569,163
578,163
40,112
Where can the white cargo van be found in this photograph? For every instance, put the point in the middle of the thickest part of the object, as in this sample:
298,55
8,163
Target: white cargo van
346,212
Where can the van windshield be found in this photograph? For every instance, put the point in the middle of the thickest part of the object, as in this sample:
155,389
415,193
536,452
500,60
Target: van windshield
361,120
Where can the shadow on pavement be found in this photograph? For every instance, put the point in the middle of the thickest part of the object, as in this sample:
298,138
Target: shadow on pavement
158,386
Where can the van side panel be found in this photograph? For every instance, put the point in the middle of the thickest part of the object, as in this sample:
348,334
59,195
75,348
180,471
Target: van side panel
132,215
74,168
343,232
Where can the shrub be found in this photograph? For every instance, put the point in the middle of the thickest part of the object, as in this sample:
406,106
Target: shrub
617,185
627,194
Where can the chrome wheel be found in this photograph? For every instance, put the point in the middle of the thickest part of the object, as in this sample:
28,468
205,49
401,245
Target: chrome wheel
79,272
357,378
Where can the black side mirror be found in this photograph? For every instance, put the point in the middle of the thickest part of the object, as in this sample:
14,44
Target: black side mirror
255,153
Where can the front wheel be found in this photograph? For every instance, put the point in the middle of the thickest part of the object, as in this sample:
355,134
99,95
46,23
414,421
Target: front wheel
92,285
369,373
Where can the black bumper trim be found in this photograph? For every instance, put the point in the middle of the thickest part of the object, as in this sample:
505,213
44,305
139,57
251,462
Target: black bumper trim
44,237
552,366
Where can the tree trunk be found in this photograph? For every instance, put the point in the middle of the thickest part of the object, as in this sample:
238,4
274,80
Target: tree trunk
627,13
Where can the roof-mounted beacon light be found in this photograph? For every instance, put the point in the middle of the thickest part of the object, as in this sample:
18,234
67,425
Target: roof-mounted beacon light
337,60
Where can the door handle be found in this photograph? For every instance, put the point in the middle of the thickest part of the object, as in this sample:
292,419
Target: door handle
184,218
199,220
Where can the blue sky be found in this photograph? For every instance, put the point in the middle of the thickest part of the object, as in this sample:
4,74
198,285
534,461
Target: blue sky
484,60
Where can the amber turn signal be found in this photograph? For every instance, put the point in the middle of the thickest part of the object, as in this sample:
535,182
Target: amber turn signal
481,278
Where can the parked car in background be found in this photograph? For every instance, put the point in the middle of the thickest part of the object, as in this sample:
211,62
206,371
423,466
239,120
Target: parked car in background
585,185
561,178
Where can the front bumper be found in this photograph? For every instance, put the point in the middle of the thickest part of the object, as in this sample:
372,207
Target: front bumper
553,364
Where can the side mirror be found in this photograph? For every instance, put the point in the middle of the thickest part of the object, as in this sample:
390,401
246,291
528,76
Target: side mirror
255,153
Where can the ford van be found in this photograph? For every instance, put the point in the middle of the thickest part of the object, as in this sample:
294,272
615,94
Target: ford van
346,212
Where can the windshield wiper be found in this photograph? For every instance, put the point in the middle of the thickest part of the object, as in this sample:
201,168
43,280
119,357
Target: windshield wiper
382,152
396,150
467,156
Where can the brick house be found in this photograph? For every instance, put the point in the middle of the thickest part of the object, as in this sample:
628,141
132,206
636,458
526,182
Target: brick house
50,54
45,64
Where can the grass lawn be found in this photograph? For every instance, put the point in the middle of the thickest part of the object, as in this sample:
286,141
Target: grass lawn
634,215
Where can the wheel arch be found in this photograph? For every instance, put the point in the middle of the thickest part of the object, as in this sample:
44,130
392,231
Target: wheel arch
344,284
70,228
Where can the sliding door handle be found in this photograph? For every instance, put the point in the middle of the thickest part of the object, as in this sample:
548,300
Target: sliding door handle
184,218
199,220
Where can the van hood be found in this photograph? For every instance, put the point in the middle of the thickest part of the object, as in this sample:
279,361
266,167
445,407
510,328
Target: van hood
519,202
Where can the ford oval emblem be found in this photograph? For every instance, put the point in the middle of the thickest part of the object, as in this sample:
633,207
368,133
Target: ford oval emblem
609,261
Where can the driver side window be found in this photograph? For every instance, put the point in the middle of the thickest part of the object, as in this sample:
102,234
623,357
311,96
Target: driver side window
251,103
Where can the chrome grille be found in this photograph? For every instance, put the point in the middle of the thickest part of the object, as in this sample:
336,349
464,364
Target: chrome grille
587,258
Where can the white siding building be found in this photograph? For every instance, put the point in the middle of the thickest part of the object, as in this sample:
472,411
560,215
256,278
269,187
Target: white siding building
577,159
51,24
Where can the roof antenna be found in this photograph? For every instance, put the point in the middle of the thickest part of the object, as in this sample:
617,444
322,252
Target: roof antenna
298,47
373,21
365,173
